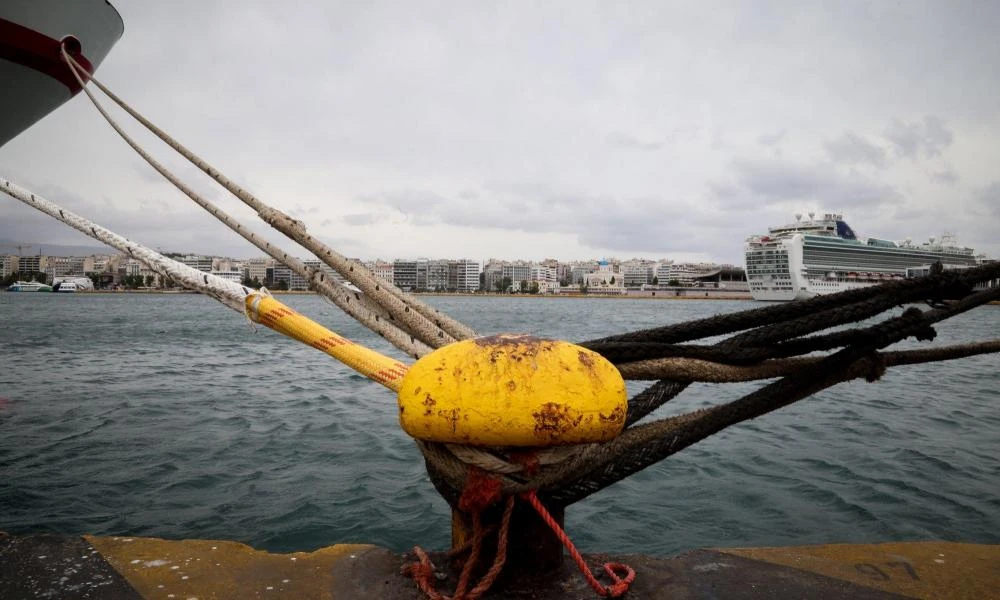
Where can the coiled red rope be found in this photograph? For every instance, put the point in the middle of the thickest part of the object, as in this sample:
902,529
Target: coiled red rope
482,491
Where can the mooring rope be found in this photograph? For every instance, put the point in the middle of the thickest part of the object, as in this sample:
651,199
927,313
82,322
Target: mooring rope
227,292
259,306
692,369
362,309
430,325
596,466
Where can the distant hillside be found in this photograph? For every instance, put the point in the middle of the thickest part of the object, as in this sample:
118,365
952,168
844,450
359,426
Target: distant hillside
10,247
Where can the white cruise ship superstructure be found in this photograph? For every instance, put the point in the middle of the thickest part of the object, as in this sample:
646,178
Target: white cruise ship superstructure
823,256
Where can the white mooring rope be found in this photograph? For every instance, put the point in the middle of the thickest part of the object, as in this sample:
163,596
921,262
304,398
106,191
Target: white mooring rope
358,306
228,292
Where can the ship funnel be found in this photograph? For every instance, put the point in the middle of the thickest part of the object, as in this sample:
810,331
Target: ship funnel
811,215
932,238
798,216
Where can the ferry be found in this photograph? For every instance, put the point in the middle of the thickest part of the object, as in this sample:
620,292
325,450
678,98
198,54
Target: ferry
823,255
29,286
70,285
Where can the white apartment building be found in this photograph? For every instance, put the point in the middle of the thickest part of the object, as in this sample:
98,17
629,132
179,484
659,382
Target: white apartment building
637,272
129,267
8,265
463,275
256,268
297,282
517,271
230,275
545,275
662,271
202,263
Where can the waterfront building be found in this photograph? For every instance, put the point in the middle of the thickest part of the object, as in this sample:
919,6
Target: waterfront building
229,275
638,272
437,275
404,274
256,268
605,280
202,263
662,271
297,282
493,274
30,264
381,269
517,271
580,269
463,275
280,273
8,265
95,263
129,267
545,276
150,275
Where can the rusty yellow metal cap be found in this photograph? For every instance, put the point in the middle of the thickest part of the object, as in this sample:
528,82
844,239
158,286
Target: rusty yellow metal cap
513,390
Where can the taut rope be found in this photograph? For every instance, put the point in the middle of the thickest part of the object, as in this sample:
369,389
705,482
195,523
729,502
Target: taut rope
430,325
362,309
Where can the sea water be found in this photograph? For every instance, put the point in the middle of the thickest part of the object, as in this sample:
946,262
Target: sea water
167,416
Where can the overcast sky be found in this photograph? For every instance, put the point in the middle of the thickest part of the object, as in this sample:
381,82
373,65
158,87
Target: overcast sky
566,130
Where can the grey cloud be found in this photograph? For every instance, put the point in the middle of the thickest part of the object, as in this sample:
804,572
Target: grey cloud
852,149
150,221
989,197
407,201
771,139
633,224
913,140
948,177
770,181
618,139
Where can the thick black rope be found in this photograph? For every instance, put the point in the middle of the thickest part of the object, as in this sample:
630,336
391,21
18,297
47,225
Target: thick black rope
641,446
907,290
777,335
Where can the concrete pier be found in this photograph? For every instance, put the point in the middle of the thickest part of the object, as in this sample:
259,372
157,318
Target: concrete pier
132,568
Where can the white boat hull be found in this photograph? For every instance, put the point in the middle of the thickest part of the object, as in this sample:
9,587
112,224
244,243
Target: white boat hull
35,80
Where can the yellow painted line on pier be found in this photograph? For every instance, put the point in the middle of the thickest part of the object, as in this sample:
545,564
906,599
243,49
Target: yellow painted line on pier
916,569
209,569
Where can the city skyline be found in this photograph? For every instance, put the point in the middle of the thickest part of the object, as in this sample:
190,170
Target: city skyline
6,247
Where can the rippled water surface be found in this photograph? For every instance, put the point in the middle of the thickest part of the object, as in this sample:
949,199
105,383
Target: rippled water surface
164,415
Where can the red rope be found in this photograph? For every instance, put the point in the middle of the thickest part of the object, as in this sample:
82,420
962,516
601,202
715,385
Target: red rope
481,491
620,585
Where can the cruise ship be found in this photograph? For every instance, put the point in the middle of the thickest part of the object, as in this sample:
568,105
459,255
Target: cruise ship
823,255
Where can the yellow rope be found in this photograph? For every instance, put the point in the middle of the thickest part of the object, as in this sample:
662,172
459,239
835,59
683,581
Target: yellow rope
271,313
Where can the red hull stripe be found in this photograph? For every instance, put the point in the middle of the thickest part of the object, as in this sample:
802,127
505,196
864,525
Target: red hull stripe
31,49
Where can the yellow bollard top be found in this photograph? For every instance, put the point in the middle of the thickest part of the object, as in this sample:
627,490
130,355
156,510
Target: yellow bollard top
513,390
